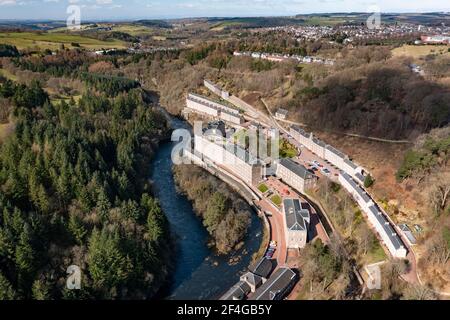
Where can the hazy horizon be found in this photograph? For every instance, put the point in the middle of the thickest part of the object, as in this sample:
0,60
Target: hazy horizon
178,9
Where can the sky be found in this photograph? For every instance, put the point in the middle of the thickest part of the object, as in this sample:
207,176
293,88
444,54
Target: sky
163,9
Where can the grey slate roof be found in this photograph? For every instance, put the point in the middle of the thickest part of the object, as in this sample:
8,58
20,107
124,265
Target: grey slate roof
387,227
360,177
262,268
356,187
198,96
336,152
275,288
393,236
282,111
408,233
319,142
301,131
297,219
296,168
252,279
351,164
242,154
224,108
237,292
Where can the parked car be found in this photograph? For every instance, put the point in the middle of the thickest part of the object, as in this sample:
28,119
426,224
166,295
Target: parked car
325,171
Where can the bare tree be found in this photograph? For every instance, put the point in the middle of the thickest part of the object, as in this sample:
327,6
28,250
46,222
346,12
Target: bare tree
419,292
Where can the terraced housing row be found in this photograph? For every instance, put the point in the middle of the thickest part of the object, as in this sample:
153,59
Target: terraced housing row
351,176
213,109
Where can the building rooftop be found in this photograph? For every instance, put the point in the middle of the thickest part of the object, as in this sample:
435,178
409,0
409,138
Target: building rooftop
360,177
275,287
262,268
222,105
356,187
408,233
393,236
252,279
230,111
237,292
242,154
301,131
297,219
319,142
203,100
387,227
336,152
215,128
351,163
296,168
283,112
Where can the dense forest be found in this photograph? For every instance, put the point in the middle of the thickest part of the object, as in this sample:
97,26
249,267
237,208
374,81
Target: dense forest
387,101
225,215
74,191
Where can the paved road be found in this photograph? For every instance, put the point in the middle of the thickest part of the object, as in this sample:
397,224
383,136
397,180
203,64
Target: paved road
277,231
307,156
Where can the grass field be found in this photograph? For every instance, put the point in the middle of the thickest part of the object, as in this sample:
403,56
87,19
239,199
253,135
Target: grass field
324,21
131,29
276,199
223,25
52,41
419,51
263,188
376,254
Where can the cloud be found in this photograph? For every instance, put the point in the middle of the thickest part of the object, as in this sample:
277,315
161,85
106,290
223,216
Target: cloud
8,2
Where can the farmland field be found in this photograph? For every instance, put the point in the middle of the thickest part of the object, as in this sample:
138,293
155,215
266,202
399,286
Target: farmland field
130,28
24,40
420,51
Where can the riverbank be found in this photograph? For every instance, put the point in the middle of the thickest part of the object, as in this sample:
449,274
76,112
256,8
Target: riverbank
225,215
198,272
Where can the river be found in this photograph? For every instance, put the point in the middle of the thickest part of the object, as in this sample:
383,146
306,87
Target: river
199,273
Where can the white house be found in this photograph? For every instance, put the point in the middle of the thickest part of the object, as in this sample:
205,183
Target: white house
296,223
375,216
295,175
281,114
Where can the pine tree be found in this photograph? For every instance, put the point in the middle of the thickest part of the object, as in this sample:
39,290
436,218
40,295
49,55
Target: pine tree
108,266
7,292
40,290
76,227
